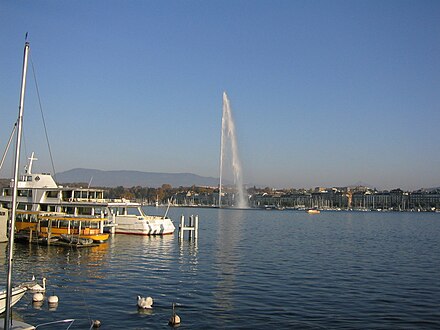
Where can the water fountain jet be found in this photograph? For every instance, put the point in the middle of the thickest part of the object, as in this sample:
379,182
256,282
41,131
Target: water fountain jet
228,139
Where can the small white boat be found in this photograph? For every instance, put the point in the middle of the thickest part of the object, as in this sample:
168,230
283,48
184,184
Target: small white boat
129,218
17,293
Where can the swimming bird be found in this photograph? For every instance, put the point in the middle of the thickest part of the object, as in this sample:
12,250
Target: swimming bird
96,323
175,319
145,303
37,287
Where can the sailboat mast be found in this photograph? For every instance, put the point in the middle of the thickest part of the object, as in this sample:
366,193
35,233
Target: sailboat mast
15,191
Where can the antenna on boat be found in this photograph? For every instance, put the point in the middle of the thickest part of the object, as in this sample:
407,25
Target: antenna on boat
168,207
31,161
90,182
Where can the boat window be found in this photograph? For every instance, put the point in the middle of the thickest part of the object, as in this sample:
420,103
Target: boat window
51,208
133,211
25,193
52,194
63,224
100,212
93,225
69,210
84,211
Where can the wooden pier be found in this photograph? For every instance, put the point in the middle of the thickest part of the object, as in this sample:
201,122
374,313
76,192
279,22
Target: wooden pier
192,228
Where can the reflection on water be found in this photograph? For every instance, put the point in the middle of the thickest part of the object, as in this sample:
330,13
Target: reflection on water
188,250
37,304
230,227
280,269
3,251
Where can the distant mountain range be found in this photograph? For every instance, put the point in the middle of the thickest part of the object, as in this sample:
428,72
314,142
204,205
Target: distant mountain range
127,179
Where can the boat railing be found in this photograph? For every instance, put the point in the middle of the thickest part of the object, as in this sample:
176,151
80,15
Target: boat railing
69,321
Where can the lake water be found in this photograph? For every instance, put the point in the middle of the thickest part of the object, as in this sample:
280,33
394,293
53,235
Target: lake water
249,269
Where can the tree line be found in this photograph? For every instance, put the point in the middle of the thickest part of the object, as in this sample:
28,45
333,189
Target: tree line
147,194
165,192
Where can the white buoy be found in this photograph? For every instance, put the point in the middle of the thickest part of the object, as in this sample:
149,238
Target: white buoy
52,300
175,319
37,297
145,303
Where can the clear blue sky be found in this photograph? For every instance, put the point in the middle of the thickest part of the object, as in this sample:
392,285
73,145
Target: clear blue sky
324,93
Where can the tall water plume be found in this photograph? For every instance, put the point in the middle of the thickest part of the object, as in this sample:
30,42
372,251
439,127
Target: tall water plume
229,146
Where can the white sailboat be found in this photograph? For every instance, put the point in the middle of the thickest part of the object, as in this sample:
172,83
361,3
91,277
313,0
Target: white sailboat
13,295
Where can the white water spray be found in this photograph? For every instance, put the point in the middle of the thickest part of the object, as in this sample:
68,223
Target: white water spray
228,139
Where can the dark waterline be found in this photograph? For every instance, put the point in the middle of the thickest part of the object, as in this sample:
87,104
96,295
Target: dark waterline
250,269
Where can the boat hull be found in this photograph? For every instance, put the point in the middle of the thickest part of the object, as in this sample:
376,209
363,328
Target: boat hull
17,293
143,233
86,233
130,225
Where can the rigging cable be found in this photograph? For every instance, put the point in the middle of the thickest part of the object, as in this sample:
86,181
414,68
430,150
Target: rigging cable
42,117
8,145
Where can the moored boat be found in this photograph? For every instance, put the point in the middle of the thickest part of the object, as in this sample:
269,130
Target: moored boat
17,293
40,198
38,192
313,211
130,218
36,225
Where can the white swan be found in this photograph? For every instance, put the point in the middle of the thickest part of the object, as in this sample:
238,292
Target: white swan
145,303
37,287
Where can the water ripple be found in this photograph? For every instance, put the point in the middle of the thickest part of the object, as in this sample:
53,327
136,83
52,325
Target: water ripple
251,269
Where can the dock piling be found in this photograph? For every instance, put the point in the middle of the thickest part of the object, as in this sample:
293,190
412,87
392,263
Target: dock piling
192,228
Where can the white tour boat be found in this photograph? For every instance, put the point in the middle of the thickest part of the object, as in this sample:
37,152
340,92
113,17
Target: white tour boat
39,193
40,201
